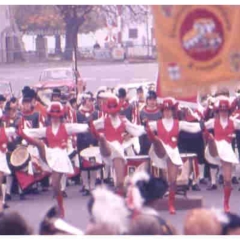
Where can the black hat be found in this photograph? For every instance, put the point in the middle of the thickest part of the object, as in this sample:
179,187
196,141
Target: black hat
25,90
2,98
122,92
7,106
140,89
28,96
151,94
56,92
72,100
32,93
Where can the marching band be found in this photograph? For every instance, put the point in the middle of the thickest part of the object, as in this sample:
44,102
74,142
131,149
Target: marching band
92,139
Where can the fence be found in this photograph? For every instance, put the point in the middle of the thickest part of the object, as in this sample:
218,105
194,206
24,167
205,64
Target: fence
87,53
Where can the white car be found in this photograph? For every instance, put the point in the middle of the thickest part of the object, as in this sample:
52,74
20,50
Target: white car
57,74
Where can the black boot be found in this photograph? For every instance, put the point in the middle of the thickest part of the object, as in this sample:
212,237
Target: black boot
86,193
64,194
212,187
234,180
196,187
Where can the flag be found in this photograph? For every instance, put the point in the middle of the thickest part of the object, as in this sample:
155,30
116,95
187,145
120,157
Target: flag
197,46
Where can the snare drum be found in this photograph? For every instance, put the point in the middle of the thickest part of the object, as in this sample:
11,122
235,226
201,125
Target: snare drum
134,162
20,158
91,159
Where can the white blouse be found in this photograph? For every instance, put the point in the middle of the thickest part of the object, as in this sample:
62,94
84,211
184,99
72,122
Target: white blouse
71,128
133,129
183,125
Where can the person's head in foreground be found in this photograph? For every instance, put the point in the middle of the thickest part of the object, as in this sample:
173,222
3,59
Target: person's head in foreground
211,222
12,223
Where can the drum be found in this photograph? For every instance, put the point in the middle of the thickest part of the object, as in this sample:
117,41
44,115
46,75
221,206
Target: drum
20,158
190,164
91,159
134,163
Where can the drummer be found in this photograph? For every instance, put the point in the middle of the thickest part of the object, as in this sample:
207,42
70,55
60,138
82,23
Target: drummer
127,108
30,118
11,118
56,135
150,112
5,133
85,140
110,141
2,102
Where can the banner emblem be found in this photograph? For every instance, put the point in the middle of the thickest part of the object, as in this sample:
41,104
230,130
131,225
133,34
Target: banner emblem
202,35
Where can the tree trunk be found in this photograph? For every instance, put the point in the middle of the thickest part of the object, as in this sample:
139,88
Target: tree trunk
58,44
71,40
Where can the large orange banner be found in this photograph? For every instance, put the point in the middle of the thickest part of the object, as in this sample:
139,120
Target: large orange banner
197,46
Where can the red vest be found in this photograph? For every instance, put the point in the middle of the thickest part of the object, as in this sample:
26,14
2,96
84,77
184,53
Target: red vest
169,138
221,133
59,140
111,133
3,140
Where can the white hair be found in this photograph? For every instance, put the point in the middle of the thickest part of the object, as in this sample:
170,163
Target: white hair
110,209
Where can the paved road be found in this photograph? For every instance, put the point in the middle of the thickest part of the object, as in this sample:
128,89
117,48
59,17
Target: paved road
95,75
36,206
76,212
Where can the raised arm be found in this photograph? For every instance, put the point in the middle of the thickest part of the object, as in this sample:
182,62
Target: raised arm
35,132
73,128
134,129
209,124
10,132
153,125
99,123
236,123
189,127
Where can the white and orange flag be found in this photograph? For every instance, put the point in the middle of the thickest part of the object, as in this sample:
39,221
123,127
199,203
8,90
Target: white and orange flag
197,46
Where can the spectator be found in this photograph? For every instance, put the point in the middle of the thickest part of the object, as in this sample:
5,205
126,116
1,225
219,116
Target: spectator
12,223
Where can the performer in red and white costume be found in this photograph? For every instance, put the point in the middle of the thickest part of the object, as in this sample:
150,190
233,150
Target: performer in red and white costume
165,153
5,133
113,127
219,150
56,136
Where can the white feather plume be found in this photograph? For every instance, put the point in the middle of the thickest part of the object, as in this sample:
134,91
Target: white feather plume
137,199
66,227
220,215
110,209
140,176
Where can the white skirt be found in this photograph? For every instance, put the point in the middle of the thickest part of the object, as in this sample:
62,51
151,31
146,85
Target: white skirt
117,151
171,153
225,153
58,160
3,164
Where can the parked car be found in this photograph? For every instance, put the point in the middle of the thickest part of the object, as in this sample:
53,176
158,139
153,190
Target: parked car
65,79
6,89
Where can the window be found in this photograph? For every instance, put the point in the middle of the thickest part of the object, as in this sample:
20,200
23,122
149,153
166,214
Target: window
133,33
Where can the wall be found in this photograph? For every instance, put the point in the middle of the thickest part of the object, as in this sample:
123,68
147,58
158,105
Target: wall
5,23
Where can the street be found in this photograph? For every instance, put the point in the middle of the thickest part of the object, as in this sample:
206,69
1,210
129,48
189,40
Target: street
97,75
35,206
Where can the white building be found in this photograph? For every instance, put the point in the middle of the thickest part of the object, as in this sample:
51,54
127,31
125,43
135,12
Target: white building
137,35
9,36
